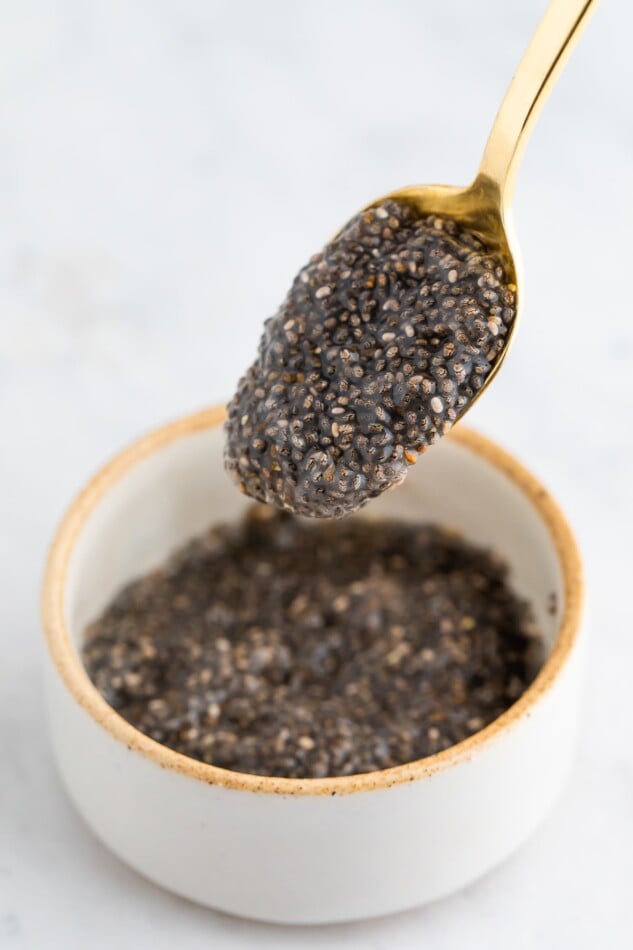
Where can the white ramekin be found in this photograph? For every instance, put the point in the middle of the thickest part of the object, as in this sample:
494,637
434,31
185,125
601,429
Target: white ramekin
319,850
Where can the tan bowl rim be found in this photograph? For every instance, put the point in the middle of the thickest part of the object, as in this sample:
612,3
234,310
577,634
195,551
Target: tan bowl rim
73,674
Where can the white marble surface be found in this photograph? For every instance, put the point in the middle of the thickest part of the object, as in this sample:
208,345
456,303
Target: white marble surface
139,142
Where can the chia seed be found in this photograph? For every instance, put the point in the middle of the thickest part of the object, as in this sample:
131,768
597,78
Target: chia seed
384,339
277,646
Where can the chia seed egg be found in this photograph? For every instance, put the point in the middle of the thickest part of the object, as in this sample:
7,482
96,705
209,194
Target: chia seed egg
278,646
383,340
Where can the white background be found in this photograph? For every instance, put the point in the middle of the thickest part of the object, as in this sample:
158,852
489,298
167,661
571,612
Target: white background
165,168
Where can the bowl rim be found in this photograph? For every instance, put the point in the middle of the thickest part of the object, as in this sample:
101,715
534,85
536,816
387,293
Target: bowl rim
73,674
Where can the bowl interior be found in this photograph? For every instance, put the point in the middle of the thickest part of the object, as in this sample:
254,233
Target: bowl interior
168,494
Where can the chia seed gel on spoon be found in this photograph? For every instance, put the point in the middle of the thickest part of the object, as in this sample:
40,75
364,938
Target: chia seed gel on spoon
384,339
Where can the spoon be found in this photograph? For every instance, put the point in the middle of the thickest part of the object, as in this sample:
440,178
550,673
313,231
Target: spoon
485,206
389,335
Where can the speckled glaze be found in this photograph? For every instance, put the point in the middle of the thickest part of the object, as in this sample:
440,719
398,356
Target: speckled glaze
319,850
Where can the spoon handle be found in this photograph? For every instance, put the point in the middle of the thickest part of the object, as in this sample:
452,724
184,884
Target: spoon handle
543,60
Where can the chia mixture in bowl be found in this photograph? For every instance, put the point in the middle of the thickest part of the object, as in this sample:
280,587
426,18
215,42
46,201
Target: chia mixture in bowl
384,339
278,646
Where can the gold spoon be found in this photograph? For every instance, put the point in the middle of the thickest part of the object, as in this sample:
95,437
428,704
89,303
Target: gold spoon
485,206
323,486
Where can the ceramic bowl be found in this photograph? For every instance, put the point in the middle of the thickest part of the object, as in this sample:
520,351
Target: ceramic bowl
317,850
